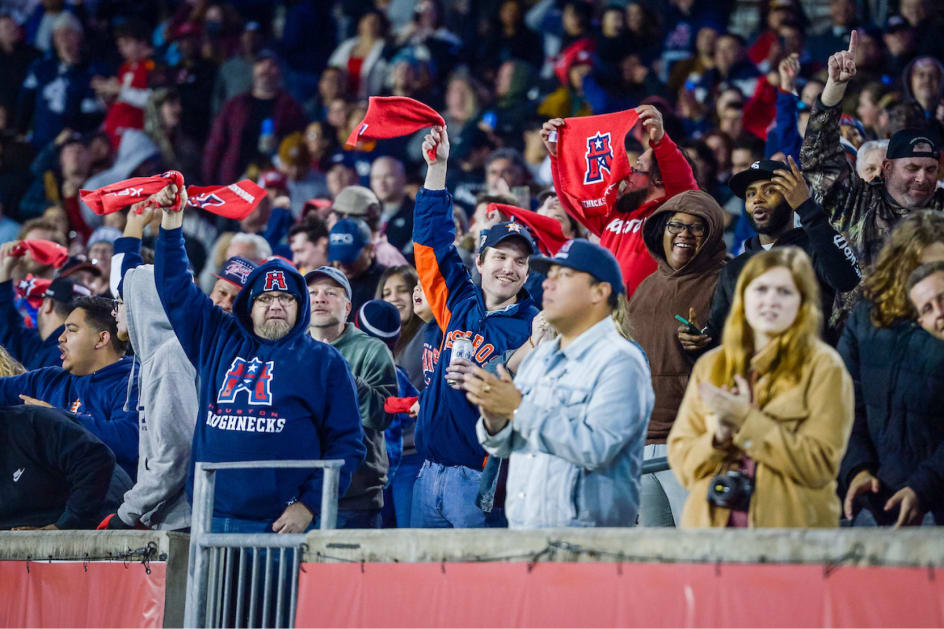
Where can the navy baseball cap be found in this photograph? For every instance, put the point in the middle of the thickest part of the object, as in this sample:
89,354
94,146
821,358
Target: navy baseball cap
913,143
583,255
64,290
333,274
761,170
236,271
503,231
347,239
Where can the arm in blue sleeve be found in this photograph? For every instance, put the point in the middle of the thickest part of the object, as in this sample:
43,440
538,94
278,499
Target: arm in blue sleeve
443,276
280,222
340,433
598,98
785,136
19,340
117,427
31,383
127,256
196,321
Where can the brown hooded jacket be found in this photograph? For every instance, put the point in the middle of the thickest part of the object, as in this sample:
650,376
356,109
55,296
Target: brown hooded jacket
669,292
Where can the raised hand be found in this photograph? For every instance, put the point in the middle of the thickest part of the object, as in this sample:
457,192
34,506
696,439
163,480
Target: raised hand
841,66
549,132
788,69
8,263
791,185
651,119
437,139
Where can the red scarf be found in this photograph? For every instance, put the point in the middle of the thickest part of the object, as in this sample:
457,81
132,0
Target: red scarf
591,161
45,252
546,230
236,200
394,117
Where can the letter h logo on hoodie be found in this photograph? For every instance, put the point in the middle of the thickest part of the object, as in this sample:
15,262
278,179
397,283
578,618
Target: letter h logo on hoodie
253,377
275,280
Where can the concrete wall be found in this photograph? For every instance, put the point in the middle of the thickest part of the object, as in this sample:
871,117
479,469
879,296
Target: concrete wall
171,548
909,547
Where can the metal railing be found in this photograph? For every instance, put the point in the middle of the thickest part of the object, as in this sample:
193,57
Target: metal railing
658,464
217,591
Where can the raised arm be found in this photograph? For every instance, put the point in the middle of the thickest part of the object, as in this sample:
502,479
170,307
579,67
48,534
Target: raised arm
832,179
834,261
196,321
20,341
442,274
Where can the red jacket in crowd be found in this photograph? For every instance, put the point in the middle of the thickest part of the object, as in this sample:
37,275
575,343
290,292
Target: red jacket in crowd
622,233
222,157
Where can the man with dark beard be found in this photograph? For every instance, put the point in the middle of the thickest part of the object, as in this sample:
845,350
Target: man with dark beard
267,389
772,192
661,172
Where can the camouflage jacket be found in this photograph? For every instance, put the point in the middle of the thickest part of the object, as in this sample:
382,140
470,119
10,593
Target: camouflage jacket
862,211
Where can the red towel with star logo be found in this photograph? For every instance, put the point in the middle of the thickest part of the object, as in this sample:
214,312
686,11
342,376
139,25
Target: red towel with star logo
591,162
236,201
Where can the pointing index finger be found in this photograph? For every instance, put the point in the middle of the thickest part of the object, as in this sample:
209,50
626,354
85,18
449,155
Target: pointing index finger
853,41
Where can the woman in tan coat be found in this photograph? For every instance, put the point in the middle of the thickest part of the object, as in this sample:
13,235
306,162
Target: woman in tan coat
773,404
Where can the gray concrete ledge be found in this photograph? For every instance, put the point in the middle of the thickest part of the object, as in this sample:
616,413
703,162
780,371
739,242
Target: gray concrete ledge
910,547
38,545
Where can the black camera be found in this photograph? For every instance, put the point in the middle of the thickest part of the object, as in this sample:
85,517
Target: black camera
731,490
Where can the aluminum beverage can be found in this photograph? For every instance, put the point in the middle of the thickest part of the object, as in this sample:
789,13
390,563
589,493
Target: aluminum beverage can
461,348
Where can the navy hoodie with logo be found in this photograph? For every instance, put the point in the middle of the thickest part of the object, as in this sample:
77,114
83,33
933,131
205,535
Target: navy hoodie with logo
96,399
445,428
291,398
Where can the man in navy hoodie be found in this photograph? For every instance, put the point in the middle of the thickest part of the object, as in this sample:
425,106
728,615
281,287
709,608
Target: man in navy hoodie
93,382
495,317
267,389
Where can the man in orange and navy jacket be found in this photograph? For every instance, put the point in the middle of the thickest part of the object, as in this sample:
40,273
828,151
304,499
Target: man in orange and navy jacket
495,318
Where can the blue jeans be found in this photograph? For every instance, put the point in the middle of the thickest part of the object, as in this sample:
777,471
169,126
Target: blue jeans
444,497
398,496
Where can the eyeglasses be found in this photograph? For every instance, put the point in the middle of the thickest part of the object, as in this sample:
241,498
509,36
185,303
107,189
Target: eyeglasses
675,229
268,299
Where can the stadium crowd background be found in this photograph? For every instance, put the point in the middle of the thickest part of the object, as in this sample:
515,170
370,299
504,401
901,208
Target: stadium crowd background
97,92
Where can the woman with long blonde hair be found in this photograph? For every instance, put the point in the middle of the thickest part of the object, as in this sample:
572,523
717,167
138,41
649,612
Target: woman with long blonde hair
766,416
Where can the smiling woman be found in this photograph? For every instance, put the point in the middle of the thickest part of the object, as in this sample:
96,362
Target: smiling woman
684,236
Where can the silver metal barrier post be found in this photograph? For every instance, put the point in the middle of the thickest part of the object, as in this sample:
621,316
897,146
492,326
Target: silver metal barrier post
204,483
329,497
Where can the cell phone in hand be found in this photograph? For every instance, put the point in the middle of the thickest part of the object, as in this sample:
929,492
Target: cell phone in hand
691,326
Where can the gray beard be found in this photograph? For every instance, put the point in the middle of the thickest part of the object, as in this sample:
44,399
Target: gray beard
273,330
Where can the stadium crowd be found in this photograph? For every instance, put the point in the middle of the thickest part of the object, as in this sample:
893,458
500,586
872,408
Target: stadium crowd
710,232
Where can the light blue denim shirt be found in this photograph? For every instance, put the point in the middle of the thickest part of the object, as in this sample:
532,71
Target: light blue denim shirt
576,440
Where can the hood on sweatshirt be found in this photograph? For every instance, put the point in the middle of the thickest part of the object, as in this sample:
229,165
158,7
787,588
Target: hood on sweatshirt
148,326
295,284
696,203
909,70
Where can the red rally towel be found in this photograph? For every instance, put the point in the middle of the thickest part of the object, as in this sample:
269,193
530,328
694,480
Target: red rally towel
43,251
394,117
235,201
591,161
394,405
33,289
546,230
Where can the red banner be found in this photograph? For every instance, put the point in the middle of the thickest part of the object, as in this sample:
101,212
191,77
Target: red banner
616,595
77,594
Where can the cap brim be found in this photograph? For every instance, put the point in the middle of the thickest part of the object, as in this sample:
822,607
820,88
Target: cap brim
739,182
91,268
226,279
527,241
334,255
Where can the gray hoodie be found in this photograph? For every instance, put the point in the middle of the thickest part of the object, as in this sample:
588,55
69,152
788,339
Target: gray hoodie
167,410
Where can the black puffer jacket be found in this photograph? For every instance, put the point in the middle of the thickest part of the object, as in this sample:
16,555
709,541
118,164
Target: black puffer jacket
898,435
833,261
